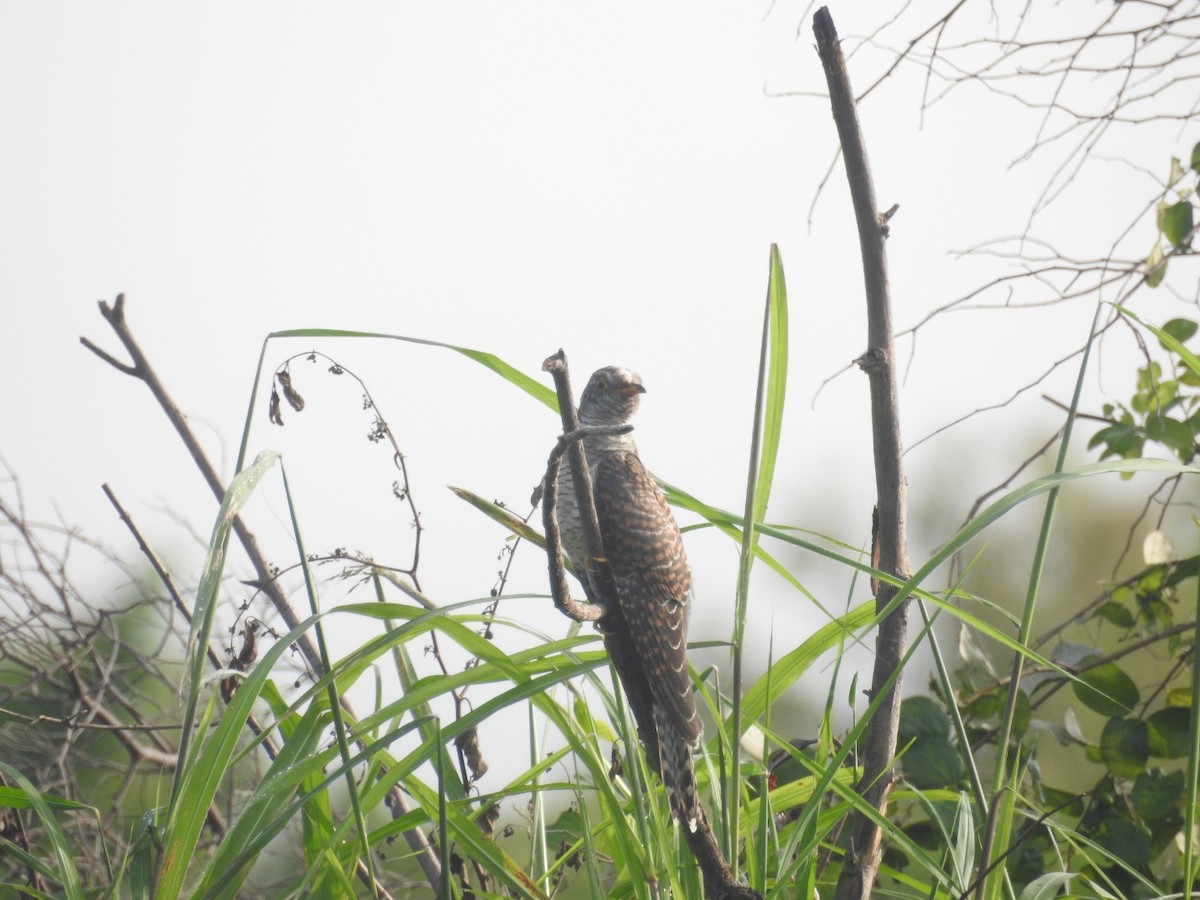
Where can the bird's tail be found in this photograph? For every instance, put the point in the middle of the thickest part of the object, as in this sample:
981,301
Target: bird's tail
678,772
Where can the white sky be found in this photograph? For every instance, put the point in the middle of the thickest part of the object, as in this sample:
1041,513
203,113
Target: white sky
512,177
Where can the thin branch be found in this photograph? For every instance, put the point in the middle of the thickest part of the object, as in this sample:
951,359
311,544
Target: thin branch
889,552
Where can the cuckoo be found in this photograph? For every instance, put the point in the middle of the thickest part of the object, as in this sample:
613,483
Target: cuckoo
646,637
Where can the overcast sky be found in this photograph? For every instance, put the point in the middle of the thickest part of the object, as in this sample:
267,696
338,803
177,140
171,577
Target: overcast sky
515,177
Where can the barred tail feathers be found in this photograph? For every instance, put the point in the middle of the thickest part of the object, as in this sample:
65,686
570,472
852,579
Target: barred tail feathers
677,769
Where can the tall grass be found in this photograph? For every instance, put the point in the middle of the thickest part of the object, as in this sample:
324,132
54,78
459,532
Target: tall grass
325,787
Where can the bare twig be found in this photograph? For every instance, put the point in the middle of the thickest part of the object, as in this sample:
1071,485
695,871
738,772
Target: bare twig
141,369
72,674
889,552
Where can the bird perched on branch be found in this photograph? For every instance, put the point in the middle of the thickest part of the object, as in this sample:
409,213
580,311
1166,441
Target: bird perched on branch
646,636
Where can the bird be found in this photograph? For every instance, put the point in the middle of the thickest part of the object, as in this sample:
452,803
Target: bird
646,635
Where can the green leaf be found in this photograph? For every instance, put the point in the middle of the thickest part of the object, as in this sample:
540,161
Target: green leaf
197,781
1156,793
1021,715
764,451
1124,840
1125,746
985,706
1106,689
1069,803
1175,222
1156,266
921,717
1123,440
1196,159
1180,329
777,366
1176,172
1185,355
1169,732
1117,613
962,856
1155,393
932,762
1173,434
1046,887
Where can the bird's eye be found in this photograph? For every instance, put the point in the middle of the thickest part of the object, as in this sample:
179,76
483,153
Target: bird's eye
602,384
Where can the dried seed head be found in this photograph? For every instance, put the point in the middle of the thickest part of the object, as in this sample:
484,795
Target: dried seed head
295,401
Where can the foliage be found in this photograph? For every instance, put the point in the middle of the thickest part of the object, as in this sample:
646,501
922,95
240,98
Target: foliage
1120,836
249,765
1176,219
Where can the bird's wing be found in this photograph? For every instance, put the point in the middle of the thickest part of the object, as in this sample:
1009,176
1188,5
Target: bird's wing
644,551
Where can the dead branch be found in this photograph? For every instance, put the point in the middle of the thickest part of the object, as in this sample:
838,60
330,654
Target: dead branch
889,552
75,683
142,370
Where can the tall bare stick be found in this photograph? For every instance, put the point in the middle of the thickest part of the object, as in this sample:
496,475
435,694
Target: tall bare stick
888,533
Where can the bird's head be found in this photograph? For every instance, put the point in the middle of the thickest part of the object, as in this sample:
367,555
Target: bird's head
611,397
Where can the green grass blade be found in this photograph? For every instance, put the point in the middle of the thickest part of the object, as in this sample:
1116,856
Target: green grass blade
422,712
1025,630
539,851
199,777
764,448
317,813
64,872
473,844
230,864
1189,358
993,884
784,672
962,843
15,798
499,514
776,382
335,703
292,787
206,605
1192,777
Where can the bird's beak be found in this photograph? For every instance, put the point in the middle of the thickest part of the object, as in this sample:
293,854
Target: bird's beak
629,390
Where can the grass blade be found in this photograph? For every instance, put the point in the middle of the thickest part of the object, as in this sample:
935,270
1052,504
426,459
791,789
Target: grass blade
764,448
206,605
65,872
